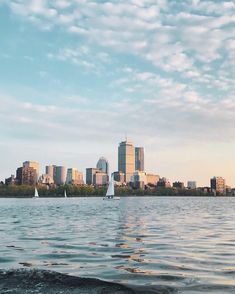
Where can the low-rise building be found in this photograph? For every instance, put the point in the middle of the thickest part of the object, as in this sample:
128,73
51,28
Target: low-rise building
100,178
46,179
192,185
10,181
178,185
138,179
164,182
152,179
119,177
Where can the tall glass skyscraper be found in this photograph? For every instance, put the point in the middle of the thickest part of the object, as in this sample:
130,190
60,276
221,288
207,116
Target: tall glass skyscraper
103,165
139,158
126,159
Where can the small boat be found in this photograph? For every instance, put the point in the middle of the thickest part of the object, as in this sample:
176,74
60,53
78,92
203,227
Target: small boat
65,194
36,193
110,195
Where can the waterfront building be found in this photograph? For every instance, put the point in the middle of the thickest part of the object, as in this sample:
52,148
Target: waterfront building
74,177
218,185
89,175
10,181
26,175
178,185
126,159
164,182
19,175
46,179
192,185
139,179
50,170
139,158
33,164
59,175
103,165
100,178
152,179
119,177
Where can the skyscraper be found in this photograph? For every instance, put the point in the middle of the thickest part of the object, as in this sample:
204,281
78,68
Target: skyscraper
34,165
59,175
50,170
103,165
126,159
139,158
26,175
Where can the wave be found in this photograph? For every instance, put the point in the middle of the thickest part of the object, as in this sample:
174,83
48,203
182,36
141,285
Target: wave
21,281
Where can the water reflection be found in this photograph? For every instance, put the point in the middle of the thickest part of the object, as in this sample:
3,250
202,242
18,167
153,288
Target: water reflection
180,242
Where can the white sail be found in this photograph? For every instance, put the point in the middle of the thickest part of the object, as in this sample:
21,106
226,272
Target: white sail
65,194
110,191
36,193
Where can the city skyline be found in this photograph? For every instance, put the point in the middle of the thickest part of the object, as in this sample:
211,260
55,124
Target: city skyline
127,159
162,73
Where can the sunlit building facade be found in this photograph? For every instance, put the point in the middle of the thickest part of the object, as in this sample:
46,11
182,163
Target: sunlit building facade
152,179
139,179
32,164
100,178
50,170
74,177
59,175
218,185
126,159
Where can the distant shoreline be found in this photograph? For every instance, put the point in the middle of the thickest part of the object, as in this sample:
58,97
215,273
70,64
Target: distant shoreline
122,196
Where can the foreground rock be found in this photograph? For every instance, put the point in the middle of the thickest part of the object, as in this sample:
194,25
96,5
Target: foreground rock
24,281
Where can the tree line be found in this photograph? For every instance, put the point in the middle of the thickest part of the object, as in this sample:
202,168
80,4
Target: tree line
86,190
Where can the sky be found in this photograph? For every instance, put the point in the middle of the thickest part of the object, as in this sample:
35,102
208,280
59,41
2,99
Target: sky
78,76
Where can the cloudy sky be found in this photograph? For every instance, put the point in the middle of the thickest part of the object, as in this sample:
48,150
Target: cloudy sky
77,76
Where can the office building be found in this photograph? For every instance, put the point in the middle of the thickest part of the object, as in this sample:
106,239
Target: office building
89,175
100,178
126,159
139,179
164,182
46,179
59,175
74,177
178,185
32,164
192,185
103,165
119,177
11,181
152,179
218,185
50,170
26,175
139,158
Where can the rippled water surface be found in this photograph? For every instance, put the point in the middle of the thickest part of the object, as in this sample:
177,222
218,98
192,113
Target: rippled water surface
186,243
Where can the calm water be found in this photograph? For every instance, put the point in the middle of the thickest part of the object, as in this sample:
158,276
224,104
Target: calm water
186,243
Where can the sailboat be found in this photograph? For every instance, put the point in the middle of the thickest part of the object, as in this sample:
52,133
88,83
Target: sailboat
110,195
65,194
36,193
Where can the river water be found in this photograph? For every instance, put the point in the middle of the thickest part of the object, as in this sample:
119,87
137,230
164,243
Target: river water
187,243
